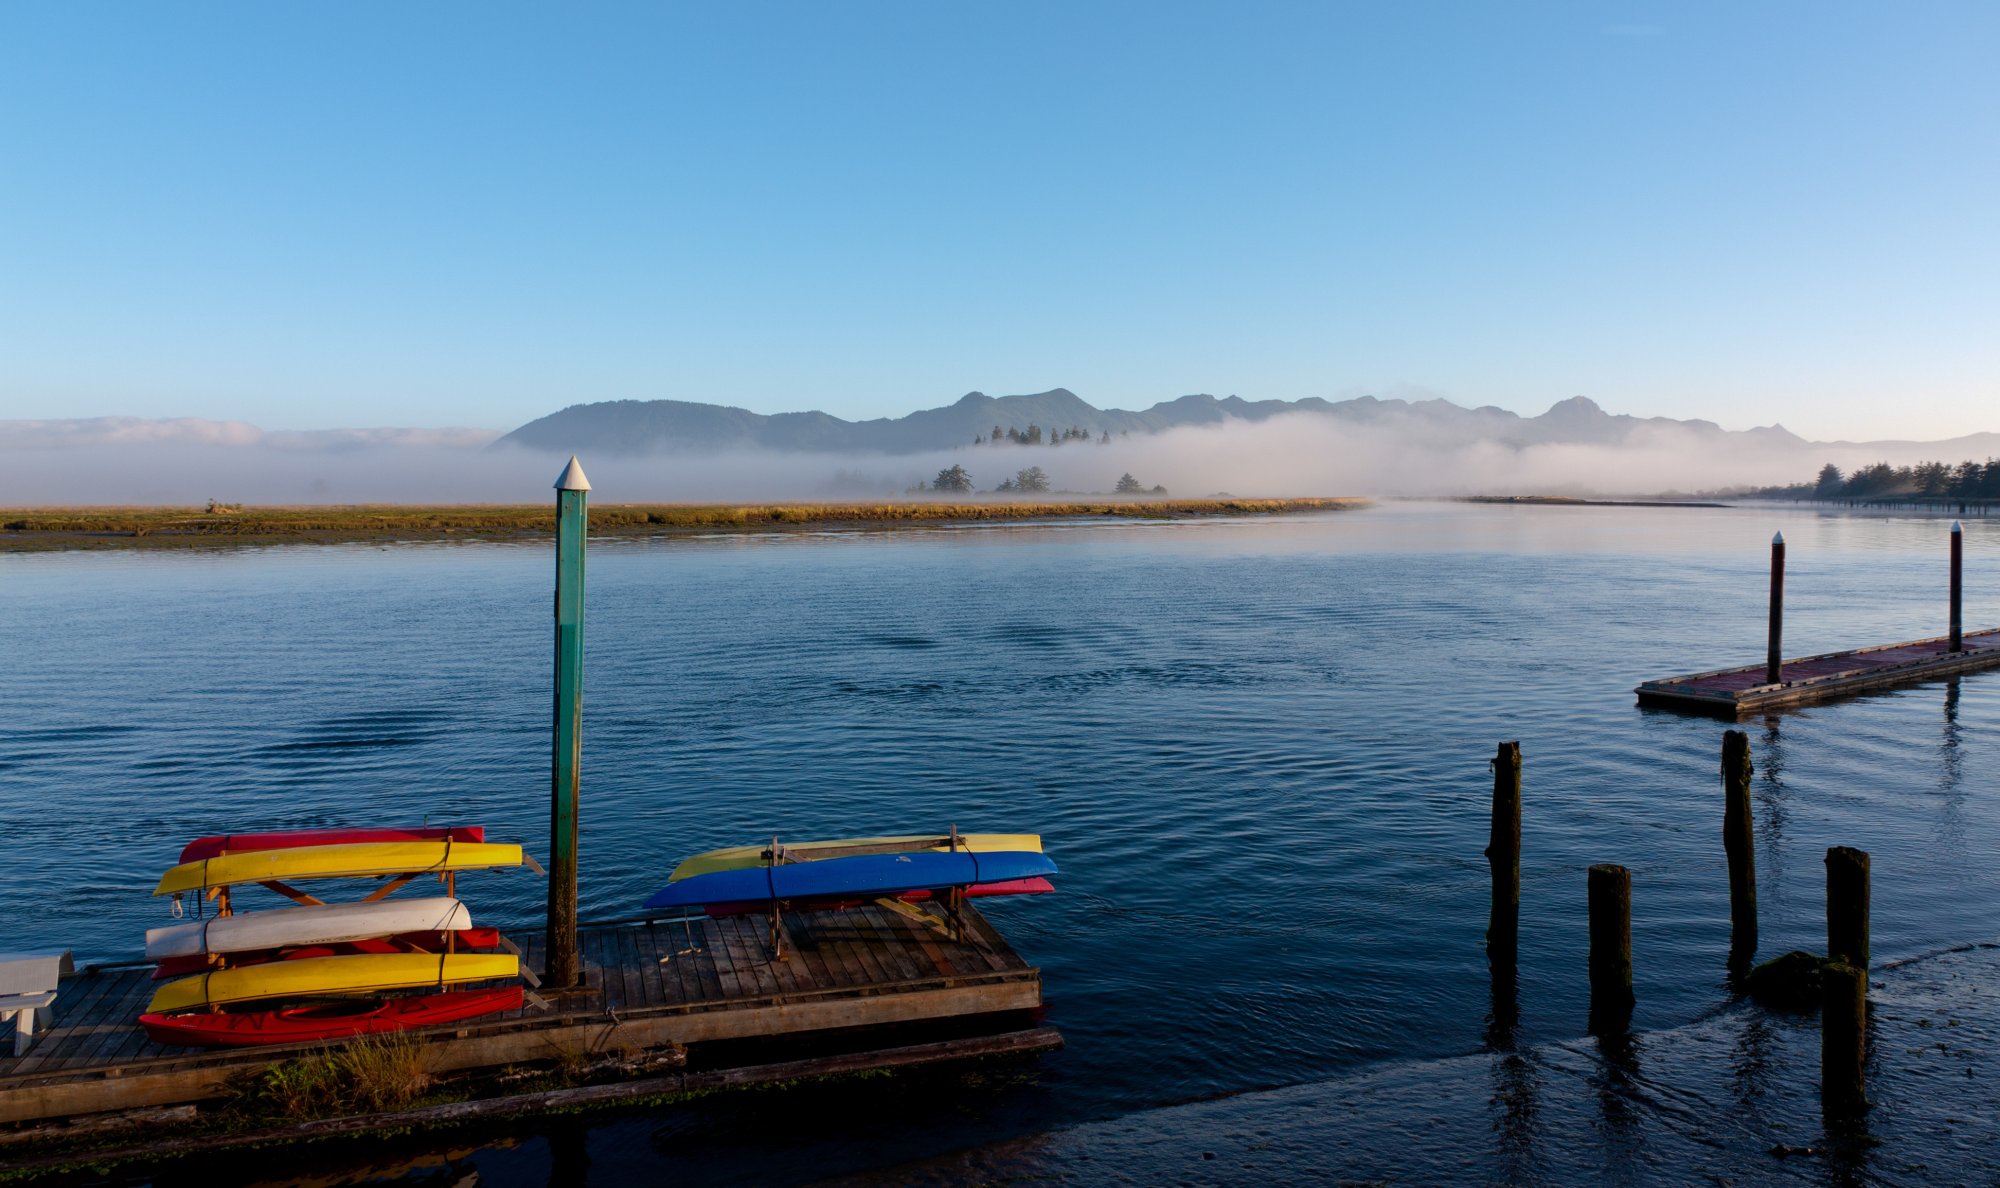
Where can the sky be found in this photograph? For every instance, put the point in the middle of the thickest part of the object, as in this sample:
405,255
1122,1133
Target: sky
384,214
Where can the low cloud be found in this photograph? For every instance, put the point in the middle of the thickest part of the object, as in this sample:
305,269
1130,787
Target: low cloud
112,461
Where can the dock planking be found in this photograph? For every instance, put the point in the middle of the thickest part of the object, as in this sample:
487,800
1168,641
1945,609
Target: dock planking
650,983
1733,691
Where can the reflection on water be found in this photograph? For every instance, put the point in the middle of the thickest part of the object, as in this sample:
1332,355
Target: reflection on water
1258,751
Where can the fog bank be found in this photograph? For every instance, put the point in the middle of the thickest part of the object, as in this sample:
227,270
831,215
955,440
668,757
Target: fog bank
129,461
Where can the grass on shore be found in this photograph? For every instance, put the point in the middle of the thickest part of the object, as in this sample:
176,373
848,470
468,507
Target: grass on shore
73,528
367,1075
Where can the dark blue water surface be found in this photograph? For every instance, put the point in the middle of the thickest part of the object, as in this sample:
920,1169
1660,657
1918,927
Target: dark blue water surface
1258,749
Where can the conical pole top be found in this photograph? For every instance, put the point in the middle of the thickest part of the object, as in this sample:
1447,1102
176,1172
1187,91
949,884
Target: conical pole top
1956,528
1776,537
572,477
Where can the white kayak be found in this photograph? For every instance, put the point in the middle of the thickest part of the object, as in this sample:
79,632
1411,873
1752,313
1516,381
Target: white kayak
318,924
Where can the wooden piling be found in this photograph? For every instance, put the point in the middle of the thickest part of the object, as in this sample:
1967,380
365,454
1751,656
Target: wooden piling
1847,906
1774,662
1843,1038
1957,587
1610,946
1738,845
1503,855
563,969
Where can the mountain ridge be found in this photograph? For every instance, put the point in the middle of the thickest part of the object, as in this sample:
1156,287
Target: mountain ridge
676,426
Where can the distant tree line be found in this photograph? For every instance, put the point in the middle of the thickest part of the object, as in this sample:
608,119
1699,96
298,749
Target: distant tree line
1925,480
956,480
1033,435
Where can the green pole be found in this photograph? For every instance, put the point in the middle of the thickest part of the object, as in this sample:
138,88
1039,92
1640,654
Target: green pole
562,969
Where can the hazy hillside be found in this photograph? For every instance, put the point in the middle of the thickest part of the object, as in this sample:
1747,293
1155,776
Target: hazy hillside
676,426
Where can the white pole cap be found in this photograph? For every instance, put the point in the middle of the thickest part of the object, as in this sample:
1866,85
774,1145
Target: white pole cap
1776,537
1955,527
572,478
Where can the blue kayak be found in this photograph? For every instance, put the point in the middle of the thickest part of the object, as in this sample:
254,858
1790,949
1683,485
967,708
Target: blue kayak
864,875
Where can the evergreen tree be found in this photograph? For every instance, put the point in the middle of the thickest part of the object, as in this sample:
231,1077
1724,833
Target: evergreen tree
1127,485
952,479
1031,480
1830,481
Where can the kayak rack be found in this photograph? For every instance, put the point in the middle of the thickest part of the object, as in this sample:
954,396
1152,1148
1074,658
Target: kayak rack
952,927
858,974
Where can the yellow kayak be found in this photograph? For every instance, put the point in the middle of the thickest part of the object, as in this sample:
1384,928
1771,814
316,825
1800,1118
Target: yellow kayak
742,857
352,860
359,973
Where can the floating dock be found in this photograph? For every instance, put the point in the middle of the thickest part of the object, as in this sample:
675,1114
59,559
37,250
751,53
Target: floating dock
1734,691
650,985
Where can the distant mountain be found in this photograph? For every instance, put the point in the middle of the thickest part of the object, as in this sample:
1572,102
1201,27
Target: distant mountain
678,426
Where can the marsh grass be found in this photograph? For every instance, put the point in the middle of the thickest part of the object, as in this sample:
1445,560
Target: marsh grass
70,528
370,1074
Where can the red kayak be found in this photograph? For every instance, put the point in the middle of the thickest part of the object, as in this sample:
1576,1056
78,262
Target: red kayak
203,848
402,942
1034,886
326,1021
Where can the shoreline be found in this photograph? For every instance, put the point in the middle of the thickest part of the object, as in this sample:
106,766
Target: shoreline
1573,501
1731,1097
56,529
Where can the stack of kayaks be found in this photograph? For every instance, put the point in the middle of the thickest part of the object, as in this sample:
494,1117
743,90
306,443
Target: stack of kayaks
322,970
826,875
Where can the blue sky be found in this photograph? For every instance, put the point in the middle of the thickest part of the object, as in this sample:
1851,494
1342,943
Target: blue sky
473,214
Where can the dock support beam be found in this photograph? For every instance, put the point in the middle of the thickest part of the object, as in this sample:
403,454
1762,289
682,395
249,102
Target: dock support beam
1503,855
1774,661
1739,846
562,969
1957,587
1610,949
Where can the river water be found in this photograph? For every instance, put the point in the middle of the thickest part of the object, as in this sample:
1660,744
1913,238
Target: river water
1257,749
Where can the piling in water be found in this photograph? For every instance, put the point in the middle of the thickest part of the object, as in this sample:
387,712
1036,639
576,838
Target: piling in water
1847,906
1843,1039
563,969
1773,649
1957,587
1503,855
1610,947
1739,847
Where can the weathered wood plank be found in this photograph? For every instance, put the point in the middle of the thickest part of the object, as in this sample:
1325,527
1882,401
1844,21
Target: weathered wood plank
897,960
676,944
1817,678
861,968
1041,1039
891,929
119,1017
599,951
654,978
927,943
753,953
840,944
70,1030
702,961
806,943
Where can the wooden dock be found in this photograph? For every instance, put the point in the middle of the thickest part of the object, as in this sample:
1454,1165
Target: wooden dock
650,984
1734,691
